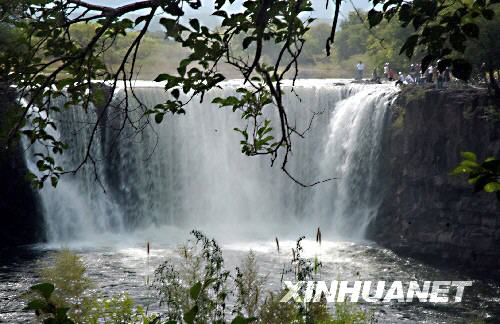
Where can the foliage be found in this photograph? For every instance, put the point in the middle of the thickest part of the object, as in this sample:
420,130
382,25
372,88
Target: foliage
45,309
117,309
353,37
483,176
274,312
486,47
60,65
150,56
249,287
195,288
346,313
442,29
191,289
263,43
13,43
68,298
70,281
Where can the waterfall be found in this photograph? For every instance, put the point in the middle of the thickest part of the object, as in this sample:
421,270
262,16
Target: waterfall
189,172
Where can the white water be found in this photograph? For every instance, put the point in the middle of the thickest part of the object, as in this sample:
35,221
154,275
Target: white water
189,172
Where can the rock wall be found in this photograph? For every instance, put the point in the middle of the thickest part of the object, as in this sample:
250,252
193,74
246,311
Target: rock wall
427,213
20,212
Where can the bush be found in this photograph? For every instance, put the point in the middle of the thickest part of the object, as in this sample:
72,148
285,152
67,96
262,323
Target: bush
68,275
275,312
249,287
65,297
192,289
195,286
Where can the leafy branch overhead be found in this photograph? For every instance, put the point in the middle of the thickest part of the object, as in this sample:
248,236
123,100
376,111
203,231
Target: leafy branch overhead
49,65
442,28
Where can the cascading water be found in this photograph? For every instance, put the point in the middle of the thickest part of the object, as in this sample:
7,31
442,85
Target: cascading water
189,172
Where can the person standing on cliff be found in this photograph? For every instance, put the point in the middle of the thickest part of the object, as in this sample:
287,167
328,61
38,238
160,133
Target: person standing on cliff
418,73
430,72
447,75
482,72
360,68
412,71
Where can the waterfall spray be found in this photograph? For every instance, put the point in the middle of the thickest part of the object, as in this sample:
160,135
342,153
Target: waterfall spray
189,172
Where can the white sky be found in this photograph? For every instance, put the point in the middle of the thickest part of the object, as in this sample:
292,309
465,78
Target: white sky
319,5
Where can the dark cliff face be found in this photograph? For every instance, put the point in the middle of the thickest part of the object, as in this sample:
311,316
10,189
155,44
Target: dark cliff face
20,212
426,212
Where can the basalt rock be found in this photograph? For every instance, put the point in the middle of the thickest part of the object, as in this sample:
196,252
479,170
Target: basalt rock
21,220
426,213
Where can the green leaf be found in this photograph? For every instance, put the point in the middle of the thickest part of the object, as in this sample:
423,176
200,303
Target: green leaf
195,290
195,24
36,304
488,14
140,19
375,17
242,320
162,77
247,41
492,187
45,289
191,315
426,61
54,180
405,13
159,117
220,13
469,164
64,83
409,46
470,156
460,170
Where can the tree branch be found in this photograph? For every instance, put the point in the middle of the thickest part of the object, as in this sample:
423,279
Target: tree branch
111,11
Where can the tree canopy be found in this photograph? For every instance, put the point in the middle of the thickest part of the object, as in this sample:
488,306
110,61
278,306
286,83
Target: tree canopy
49,58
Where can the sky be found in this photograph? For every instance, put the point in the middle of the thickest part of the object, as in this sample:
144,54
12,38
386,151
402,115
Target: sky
319,5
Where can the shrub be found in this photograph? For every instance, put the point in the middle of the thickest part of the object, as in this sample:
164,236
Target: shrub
68,275
275,312
249,287
193,289
66,296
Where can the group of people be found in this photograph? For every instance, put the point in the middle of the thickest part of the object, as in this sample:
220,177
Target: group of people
415,75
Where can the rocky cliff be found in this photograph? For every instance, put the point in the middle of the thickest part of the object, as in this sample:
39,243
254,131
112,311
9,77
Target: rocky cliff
427,213
20,212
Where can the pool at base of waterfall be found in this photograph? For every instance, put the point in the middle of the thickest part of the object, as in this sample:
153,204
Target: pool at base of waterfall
123,267
188,172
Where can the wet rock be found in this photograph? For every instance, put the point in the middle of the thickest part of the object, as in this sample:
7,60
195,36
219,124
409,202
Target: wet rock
20,213
427,213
